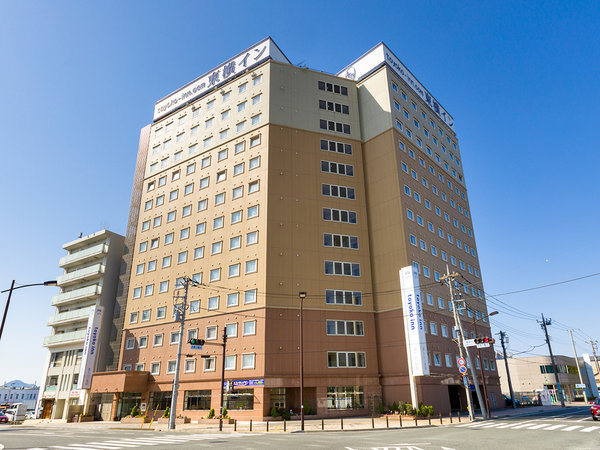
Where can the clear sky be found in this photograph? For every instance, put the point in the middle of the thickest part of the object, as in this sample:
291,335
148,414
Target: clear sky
521,79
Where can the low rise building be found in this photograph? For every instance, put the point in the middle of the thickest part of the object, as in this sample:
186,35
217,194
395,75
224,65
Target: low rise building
81,326
531,374
18,392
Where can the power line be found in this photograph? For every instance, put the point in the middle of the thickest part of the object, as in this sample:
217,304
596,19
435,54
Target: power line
548,285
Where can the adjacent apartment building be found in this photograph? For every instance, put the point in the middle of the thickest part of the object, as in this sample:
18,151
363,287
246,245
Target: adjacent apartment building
262,179
83,322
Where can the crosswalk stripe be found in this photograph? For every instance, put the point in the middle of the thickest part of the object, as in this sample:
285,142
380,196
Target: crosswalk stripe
493,425
73,448
574,427
123,444
522,426
587,430
537,427
95,445
512,424
138,442
554,427
479,424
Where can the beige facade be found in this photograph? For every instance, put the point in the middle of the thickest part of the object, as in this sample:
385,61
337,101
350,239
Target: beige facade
284,180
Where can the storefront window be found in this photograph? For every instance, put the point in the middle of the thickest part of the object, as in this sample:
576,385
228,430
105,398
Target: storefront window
277,396
126,403
240,399
345,397
196,400
160,400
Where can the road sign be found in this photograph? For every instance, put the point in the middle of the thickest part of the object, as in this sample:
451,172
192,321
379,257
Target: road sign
461,361
580,386
462,369
196,347
465,380
472,387
484,345
469,342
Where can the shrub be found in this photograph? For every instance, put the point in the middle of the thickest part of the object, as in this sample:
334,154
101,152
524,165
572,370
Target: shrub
310,411
286,415
224,413
394,407
380,409
274,412
135,411
211,413
167,412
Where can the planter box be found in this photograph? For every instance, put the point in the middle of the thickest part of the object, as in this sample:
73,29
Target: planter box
139,420
306,417
216,421
86,418
178,420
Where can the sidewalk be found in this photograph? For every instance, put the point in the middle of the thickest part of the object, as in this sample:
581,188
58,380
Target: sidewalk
532,410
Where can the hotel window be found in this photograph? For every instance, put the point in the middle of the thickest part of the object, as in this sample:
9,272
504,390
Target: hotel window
169,238
210,364
248,361
345,328
255,119
190,366
394,87
236,216
205,163
252,266
154,243
162,287
254,141
155,368
240,126
332,190
174,337
242,88
254,162
230,362
195,306
139,269
158,340
186,211
215,274
252,212
151,265
171,366
146,314
211,333
182,257
160,200
221,156
340,240
253,187
171,216
410,214
143,343
145,225
256,99
241,107
203,205
249,328
223,134
238,169
218,222
240,147
199,252
234,271
235,242
237,192
161,312
197,277
156,221
148,205
257,80
250,296
233,298
343,297
133,317
184,233
153,168
217,247
188,189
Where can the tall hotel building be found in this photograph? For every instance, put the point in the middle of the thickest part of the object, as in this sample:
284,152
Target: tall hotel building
261,179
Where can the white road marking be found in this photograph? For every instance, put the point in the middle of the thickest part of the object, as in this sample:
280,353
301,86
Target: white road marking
574,427
522,426
139,442
492,425
537,427
121,443
73,448
512,424
554,427
587,430
95,445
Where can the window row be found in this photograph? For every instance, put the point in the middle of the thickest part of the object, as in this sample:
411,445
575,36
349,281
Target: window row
342,268
335,107
330,87
332,190
339,215
338,168
337,147
340,240
333,296
345,328
346,359
338,127
248,361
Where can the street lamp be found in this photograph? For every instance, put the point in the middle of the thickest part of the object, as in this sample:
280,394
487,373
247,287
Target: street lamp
485,397
302,296
10,291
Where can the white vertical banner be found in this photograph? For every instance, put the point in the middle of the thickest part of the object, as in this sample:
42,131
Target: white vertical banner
90,348
414,325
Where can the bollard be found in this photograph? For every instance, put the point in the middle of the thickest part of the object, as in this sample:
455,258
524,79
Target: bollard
459,417
429,418
267,426
372,422
387,422
416,424
450,416
441,422
234,424
400,419
284,424
322,424
250,424
342,422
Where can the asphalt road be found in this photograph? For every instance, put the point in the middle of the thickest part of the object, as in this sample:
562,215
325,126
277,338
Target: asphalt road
562,429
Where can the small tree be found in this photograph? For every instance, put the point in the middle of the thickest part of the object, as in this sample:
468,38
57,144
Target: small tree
394,407
211,413
274,412
224,413
135,411
167,412
286,415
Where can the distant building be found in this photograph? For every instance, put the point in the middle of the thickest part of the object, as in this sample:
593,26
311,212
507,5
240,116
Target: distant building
88,285
18,392
530,374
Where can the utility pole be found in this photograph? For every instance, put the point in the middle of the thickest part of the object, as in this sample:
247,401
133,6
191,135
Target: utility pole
544,324
223,377
463,351
578,369
512,394
485,397
179,316
593,344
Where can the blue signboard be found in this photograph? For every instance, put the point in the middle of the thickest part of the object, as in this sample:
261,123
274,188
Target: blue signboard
245,383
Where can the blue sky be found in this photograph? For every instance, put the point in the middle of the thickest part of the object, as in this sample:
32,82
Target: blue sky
521,80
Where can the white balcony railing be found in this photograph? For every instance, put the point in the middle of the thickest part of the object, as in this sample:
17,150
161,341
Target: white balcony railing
80,275
63,338
69,316
75,295
98,250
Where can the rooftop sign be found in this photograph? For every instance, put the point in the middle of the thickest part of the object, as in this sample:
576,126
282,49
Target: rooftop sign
266,49
380,55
